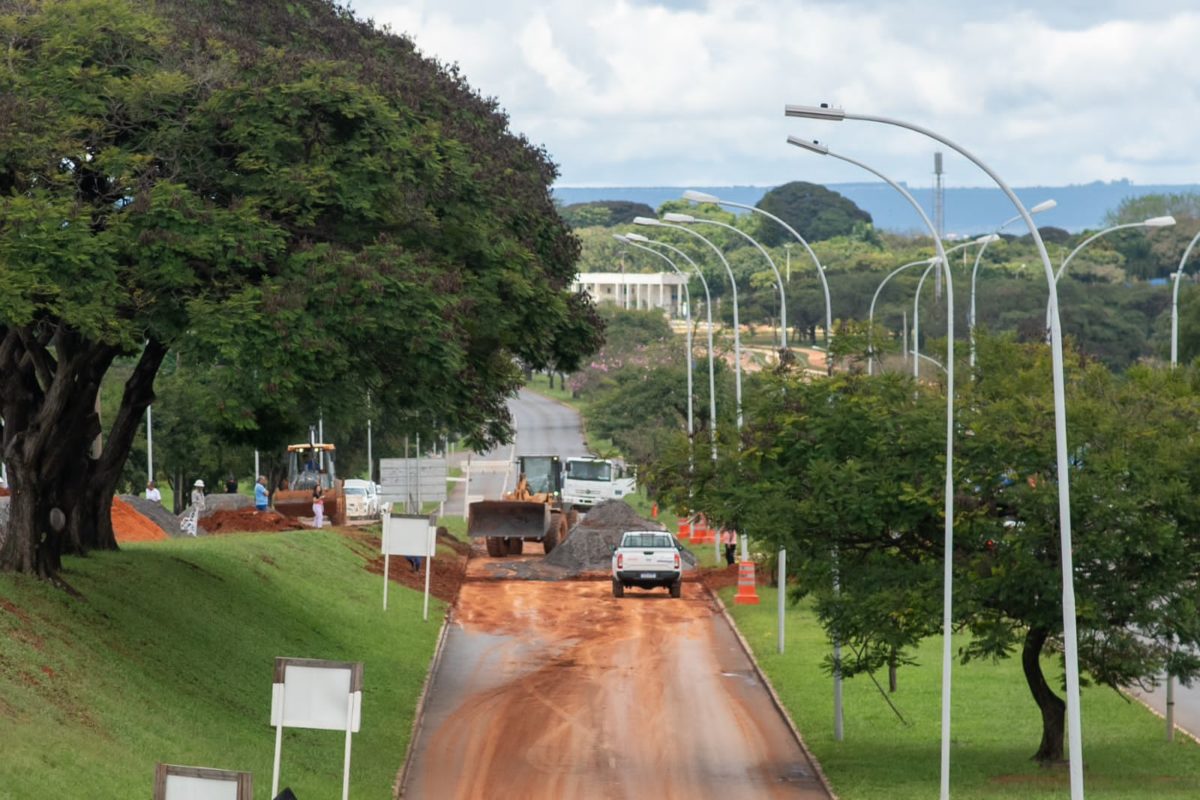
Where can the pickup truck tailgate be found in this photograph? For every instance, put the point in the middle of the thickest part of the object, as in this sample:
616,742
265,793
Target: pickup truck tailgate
656,559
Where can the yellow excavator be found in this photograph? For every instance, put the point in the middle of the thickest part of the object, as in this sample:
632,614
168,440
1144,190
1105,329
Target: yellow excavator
532,511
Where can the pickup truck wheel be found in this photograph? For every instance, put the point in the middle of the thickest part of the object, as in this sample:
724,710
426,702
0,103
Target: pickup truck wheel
496,547
676,588
618,588
515,546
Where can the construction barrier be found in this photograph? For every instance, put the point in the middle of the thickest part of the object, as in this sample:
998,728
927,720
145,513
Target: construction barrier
747,593
703,533
684,529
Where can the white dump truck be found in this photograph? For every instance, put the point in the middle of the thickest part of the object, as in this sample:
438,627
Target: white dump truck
587,481
647,560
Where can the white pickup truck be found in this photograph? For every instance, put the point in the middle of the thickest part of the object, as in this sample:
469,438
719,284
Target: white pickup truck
647,560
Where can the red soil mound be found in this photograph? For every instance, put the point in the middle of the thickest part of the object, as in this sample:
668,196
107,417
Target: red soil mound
3,492
444,581
130,526
248,520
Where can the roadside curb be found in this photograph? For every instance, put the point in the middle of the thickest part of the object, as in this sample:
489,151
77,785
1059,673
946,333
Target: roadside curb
762,676
1178,728
419,718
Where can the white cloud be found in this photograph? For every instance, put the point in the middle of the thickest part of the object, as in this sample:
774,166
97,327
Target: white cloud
636,92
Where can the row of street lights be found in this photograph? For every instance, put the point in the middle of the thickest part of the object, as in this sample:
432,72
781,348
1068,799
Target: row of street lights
1054,327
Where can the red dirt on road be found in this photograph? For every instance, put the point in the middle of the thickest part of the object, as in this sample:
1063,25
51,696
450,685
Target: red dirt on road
555,689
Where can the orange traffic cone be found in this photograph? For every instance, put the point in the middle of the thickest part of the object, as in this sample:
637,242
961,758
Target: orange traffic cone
684,529
747,593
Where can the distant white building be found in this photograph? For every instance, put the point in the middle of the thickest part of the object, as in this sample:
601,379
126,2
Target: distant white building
641,290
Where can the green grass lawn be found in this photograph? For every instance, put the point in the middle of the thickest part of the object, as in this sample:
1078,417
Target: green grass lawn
996,726
168,656
540,383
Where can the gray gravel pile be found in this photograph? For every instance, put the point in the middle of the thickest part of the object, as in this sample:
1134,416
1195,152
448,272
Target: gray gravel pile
155,513
589,544
226,502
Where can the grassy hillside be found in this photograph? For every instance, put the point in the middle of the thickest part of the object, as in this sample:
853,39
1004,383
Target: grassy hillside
167,656
995,725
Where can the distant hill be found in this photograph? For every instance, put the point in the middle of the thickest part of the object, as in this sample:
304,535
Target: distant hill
968,210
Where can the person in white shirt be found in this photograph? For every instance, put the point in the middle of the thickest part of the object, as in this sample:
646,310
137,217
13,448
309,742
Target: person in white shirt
152,492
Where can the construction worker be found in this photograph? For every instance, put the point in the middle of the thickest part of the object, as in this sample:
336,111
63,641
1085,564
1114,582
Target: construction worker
729,540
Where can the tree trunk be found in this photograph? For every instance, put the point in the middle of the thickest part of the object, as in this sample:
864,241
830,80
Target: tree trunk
49,403
892,672
1051,705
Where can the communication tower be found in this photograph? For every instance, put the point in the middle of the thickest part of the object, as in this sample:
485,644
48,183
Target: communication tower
939,215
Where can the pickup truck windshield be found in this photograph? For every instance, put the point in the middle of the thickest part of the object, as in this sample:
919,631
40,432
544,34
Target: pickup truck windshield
590,471
647,540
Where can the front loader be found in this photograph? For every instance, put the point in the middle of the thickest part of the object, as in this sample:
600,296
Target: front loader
532,511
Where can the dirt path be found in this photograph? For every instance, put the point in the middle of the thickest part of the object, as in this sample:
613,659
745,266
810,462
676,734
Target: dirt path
557,689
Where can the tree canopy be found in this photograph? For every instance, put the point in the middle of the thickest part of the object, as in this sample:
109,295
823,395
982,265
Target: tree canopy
817,213
604,213
278,190
845,474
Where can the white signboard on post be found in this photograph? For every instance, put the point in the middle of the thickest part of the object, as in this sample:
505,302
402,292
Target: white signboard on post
408,535
173,782
314,693
417,479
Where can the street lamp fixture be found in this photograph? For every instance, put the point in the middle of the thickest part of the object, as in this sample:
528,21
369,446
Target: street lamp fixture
637,239
948,535
1045,205
704,197
688,219
1062,463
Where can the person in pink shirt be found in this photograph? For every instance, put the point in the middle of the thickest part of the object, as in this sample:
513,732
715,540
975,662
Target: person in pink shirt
729,540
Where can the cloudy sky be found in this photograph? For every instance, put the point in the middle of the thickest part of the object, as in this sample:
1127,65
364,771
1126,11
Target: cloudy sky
679,92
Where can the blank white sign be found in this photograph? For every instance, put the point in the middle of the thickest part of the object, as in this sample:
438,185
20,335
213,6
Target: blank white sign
315,697
409,535
182,787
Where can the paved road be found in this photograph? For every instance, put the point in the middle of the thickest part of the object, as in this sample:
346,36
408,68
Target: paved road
1187,705
558,690
544,427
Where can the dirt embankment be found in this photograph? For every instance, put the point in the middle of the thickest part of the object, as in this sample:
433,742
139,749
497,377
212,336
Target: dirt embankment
130,526
448,574
248,521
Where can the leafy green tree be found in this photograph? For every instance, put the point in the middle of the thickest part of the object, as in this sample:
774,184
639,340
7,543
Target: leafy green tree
845,474
815,212
1136,209
605,213
285,192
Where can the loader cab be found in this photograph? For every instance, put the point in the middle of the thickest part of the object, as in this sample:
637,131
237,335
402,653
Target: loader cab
310,465
543,474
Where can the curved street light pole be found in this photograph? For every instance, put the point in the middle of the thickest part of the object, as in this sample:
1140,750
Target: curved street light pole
737,338
871,315
916,342
634,238
1175,301
703,197
1153,222
691,425
1070,635
948,543
1045,205
688,219
982,241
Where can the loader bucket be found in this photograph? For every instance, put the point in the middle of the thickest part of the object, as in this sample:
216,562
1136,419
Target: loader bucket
509,518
